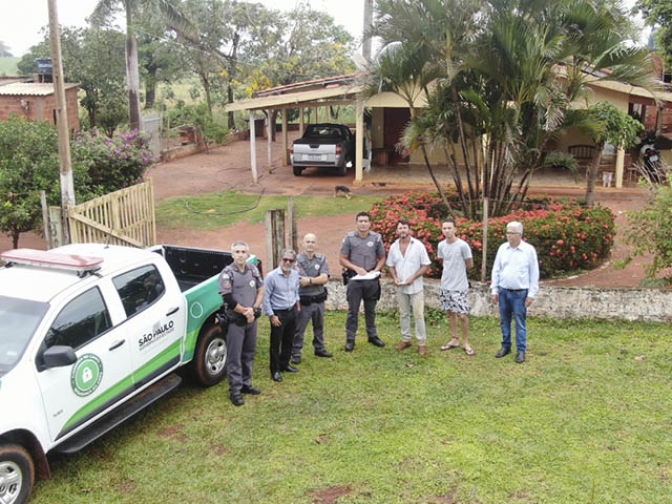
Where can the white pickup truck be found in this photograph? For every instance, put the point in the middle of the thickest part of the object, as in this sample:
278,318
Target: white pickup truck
326,144
89,335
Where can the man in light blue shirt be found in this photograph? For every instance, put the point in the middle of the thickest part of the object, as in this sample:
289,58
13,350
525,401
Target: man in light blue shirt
281,302
515,283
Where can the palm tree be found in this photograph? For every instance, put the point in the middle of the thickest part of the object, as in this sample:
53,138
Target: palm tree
510,74
105,10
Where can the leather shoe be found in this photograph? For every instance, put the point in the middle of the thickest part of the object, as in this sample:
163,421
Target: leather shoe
296,359
237,399
377,341
520,357
276,376
349,346
249,389
290,369
322,353
404,345
502,352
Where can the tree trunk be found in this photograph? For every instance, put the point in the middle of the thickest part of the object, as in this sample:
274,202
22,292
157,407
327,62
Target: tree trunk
133,76
591,174
150,89
435,180
229,94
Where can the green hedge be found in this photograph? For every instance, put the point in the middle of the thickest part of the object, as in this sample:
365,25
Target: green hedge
568,237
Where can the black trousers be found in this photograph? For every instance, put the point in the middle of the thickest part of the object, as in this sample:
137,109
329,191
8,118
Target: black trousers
282,339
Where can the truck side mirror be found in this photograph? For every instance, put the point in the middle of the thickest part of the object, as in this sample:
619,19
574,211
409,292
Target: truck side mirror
58,356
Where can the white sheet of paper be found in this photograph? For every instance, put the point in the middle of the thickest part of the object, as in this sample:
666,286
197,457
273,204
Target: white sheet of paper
369,276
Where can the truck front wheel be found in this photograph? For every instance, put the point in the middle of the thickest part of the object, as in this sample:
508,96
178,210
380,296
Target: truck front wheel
209,365
17,474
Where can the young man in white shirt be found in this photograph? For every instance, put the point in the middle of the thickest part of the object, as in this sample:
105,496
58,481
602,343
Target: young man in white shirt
408,261
455,254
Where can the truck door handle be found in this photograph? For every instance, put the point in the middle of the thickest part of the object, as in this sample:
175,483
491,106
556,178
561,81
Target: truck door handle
172,310
117,344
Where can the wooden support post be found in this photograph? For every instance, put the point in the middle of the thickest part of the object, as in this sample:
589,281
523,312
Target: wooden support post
269,144
293,231
253,149
285,141
275,236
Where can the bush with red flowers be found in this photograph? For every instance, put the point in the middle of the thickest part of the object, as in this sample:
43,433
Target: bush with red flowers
567,236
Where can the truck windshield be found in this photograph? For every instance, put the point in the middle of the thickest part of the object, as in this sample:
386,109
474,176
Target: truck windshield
18,320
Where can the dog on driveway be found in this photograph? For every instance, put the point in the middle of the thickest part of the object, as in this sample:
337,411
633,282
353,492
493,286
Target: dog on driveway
341,190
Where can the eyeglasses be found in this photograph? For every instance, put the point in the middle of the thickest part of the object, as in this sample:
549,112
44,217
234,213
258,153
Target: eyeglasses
290,261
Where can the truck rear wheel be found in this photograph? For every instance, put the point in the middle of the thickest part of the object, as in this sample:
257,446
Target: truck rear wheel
343,170
17,474
297,171
209,364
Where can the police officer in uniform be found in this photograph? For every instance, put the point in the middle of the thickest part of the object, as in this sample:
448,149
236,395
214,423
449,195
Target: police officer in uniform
314,273
241,286
362,253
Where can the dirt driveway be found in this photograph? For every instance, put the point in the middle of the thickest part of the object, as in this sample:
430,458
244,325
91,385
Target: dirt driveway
228,167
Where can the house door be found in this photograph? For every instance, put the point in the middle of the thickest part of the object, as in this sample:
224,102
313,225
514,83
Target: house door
395,120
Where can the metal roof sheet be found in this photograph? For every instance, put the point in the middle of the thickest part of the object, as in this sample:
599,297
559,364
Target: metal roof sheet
30,89
289,99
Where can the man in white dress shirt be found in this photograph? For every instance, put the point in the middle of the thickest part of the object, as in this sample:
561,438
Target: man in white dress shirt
408,261
515,283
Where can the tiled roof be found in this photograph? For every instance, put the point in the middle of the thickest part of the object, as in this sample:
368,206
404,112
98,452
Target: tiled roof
30,89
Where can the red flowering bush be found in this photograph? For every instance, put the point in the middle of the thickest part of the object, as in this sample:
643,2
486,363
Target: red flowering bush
568,237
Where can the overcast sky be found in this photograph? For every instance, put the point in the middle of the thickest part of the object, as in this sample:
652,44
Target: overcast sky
21,20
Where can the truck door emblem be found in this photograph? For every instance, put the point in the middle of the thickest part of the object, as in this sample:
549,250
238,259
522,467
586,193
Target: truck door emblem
86,375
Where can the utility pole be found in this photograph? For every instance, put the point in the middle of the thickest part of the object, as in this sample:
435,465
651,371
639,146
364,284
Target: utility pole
64,159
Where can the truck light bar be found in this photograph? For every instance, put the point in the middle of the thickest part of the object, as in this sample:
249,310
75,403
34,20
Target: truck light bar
46,259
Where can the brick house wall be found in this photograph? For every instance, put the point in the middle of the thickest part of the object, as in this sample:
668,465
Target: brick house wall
39,106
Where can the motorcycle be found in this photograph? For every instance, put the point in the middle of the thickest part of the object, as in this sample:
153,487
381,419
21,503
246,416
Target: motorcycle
652,164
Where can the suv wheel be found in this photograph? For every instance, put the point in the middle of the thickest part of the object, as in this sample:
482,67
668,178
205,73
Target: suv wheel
209,364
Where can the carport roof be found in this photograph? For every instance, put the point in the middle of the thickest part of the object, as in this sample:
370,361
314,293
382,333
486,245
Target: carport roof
331,94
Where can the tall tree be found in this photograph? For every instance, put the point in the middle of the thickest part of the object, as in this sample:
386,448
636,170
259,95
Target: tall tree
133,10
658,14
95,59
610,125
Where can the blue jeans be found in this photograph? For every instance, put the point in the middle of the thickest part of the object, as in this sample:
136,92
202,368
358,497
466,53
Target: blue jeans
512,304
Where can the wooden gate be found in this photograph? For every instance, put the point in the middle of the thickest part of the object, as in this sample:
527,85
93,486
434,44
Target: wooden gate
124,217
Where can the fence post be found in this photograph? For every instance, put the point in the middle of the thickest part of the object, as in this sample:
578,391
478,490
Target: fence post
275,236
293,231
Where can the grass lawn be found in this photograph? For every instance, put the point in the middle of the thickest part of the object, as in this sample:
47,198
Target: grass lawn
585,420
222,209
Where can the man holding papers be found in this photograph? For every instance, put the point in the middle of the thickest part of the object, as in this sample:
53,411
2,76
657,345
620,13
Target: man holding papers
363,255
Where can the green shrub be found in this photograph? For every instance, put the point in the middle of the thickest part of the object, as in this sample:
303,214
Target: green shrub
567,237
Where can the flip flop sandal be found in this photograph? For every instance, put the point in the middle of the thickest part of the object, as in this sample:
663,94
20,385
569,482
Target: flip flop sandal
449,346
469,351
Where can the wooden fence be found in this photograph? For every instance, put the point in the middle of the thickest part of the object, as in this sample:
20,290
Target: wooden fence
124,217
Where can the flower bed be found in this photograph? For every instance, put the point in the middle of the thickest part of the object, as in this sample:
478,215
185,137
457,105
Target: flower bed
568,237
